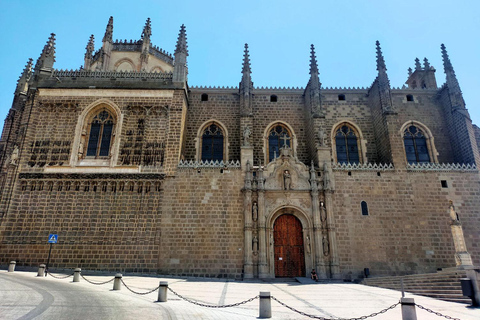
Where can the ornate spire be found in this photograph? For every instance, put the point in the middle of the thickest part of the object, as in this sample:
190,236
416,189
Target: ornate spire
182,42
313,61
47,57
246,85
246,61
109,31
409,72
25,77
456,96
418,66
181,53
314,85
381,67
147,31
383,82
90,47
426,64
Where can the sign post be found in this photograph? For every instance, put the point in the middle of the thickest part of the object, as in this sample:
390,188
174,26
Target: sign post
52,238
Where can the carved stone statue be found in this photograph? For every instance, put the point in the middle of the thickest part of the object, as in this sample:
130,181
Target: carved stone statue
246,136
308,245
321,138
286,180
326,246
323,212
453,213
326,177
255,212
14,156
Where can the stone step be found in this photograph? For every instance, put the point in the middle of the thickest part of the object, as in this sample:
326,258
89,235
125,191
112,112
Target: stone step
443,285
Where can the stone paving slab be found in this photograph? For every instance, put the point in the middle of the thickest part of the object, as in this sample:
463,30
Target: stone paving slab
25,296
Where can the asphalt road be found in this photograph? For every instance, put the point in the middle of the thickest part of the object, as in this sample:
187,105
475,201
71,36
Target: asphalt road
25,296
30,297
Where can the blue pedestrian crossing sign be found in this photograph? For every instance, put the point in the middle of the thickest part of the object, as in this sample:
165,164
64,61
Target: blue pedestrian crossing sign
52,238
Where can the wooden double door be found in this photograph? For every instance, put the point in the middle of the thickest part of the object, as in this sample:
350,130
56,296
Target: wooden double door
288,247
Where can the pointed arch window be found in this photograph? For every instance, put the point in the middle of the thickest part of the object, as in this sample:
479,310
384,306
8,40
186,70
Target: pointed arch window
278,137
415,143
100,137
212,143
346,143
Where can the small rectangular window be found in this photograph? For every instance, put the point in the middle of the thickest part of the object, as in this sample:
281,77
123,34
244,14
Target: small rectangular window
364,208
444,184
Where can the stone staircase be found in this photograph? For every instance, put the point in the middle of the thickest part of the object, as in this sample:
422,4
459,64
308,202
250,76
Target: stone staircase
444,285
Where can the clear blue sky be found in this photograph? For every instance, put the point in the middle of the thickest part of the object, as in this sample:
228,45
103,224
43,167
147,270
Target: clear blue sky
279,34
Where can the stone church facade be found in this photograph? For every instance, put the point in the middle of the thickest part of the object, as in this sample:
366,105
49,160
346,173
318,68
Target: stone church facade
136,171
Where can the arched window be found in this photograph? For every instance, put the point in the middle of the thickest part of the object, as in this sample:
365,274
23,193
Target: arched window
415,142
212,143
278,137
346,143
100,135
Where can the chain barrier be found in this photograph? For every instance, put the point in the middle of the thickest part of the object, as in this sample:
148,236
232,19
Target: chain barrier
323,318
209,305
60,277
97,283
436,313
140,293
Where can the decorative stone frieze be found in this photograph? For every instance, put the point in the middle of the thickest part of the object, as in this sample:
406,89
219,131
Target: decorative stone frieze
209,164
362,166
441,167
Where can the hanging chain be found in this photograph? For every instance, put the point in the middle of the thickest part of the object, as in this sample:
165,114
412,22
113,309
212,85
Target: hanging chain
209,305
323,318
436,313
60,277
97,283
140,293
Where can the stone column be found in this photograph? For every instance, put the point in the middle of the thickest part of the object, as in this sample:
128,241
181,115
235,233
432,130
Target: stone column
247,210
332,238
320,264
262,237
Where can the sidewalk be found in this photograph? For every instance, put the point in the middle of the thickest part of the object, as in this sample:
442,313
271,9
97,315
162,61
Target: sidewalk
336,300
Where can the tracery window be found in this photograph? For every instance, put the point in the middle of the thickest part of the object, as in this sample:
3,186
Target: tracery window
212,143
100,137
415,143
278,137
346,143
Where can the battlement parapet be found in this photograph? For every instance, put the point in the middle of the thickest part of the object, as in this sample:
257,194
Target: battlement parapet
442,167
190,164
167,76
363,167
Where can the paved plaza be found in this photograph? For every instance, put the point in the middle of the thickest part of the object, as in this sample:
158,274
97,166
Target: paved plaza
25,296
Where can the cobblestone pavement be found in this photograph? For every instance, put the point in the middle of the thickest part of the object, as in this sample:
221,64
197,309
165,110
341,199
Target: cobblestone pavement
25,296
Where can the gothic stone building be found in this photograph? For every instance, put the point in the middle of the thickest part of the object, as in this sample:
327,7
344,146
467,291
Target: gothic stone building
137,171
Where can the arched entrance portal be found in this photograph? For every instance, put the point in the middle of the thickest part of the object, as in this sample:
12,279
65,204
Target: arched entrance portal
288,247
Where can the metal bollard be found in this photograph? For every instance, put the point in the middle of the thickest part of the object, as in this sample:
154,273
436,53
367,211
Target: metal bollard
117,282
162,291
76,275
265,305
41,271
408,309
11,266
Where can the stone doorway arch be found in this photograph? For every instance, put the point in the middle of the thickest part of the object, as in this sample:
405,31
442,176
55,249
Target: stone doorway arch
288,247
290,233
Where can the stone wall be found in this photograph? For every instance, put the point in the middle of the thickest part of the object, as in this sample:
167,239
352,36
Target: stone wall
408,226
202,224
102,224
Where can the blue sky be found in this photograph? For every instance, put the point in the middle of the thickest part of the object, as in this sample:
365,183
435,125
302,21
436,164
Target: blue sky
279,34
